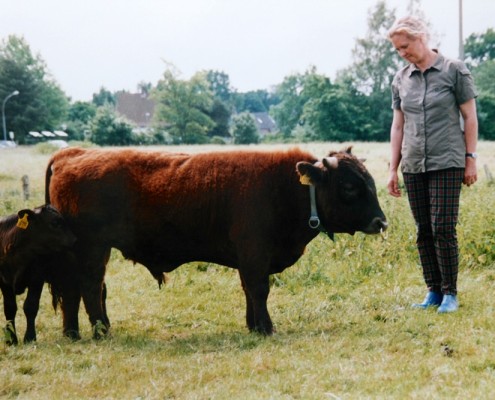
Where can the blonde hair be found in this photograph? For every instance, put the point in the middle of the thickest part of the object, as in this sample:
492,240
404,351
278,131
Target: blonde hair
411,26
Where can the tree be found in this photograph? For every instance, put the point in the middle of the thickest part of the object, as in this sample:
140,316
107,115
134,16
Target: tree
254,101
480,47
220,114
480,56
244,129
220,86
484,77
108,129
183,107
41,103
331,110
375,64
221,109
79,118
289,111
144,88
104,97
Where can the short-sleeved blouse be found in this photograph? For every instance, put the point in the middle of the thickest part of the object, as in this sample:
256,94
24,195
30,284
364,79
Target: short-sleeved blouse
433,137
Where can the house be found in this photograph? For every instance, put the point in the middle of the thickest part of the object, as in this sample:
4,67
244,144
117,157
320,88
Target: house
265,124
138,108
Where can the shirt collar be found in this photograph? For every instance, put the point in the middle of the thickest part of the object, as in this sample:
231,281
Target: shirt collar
436,65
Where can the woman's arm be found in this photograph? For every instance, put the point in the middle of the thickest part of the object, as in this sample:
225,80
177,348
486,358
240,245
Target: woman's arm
468,111
396,135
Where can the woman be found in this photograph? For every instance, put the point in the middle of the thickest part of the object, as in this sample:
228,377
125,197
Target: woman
435,154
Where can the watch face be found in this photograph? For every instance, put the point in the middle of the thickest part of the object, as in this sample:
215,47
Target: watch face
472,155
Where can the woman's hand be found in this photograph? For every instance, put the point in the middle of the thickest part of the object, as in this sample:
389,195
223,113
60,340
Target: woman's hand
393,184
470,173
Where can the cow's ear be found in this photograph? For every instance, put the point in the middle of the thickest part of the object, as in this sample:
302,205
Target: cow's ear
309,174
23,218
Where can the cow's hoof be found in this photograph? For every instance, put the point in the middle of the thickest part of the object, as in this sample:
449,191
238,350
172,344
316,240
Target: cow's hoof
100,330
29,339
265,331
72,334
10,335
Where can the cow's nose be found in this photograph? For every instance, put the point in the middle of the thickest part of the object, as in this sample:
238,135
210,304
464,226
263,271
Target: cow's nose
378,225
382,224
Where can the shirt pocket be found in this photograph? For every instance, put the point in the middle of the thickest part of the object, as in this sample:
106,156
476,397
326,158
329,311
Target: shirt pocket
439,96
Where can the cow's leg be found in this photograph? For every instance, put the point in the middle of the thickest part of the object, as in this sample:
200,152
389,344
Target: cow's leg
71,298
106,320
31,307
65,291
256,288
249,306
92,288
10,310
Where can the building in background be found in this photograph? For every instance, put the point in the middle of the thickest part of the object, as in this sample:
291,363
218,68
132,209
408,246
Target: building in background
266,125
137,108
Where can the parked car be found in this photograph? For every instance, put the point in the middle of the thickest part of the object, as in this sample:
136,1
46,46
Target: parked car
7,144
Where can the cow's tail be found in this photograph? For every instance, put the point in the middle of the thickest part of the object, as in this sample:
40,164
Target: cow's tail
48,177
56,297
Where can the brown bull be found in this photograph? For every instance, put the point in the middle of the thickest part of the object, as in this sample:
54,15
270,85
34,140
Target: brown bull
32,244
248,210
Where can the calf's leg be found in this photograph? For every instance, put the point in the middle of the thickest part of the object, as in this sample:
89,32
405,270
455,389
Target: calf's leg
31,307
10,310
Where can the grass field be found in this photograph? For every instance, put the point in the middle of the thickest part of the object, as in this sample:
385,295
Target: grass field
345,329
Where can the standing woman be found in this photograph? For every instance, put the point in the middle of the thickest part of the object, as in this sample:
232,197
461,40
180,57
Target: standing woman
437,154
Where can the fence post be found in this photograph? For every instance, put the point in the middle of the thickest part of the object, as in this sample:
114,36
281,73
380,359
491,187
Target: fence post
25,187
488,174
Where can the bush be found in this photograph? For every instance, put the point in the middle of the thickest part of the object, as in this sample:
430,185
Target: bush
244,129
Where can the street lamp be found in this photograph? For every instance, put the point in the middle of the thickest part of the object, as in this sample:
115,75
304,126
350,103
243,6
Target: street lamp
14,93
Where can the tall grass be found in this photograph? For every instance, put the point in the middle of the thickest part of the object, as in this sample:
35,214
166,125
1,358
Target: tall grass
344,324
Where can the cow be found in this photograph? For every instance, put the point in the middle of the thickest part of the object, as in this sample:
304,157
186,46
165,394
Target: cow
32,244
251,210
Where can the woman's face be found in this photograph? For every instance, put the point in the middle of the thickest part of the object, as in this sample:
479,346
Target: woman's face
411,49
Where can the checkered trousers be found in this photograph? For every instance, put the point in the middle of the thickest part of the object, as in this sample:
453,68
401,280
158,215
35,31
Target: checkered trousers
434,200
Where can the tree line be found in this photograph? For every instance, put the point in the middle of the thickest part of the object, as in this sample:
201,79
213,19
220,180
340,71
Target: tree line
306,106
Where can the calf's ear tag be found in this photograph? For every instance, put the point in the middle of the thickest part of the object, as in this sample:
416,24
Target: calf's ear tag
23,222
305,180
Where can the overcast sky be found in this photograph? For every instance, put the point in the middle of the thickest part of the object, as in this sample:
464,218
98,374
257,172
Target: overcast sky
119,43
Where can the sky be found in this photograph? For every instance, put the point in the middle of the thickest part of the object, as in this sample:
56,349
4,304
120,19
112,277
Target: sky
116,44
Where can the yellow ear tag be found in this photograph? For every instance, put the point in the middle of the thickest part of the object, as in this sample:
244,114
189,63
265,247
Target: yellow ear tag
23,222
305,180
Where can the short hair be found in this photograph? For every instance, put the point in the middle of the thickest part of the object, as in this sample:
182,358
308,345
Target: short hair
411,26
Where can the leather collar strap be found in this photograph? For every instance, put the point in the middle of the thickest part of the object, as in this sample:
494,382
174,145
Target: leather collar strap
314,221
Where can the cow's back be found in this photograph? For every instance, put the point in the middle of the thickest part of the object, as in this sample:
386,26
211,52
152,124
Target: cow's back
174,207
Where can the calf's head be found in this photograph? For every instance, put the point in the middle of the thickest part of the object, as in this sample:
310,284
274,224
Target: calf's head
44,229
346,196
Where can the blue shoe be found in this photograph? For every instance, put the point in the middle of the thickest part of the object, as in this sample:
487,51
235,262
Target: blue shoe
449,304
432,299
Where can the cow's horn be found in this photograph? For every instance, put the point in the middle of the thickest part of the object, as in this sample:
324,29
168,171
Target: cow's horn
331,162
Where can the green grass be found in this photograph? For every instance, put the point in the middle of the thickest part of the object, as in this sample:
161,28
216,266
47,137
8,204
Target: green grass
342,313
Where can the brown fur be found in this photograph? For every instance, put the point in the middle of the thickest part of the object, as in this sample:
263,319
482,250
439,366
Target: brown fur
243,209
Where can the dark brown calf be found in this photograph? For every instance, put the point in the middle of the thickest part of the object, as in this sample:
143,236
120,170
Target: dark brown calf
32,244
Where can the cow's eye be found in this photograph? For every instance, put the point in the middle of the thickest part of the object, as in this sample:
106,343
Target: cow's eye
350,191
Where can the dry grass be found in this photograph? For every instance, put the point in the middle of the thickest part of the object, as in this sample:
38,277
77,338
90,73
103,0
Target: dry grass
344,326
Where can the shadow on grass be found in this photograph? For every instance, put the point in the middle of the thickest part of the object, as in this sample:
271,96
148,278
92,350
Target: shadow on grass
188,343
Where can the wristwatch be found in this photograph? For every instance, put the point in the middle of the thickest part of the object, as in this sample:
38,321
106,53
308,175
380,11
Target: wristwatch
472,155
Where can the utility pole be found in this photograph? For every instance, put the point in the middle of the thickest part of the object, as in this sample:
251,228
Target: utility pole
461,39
14,93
